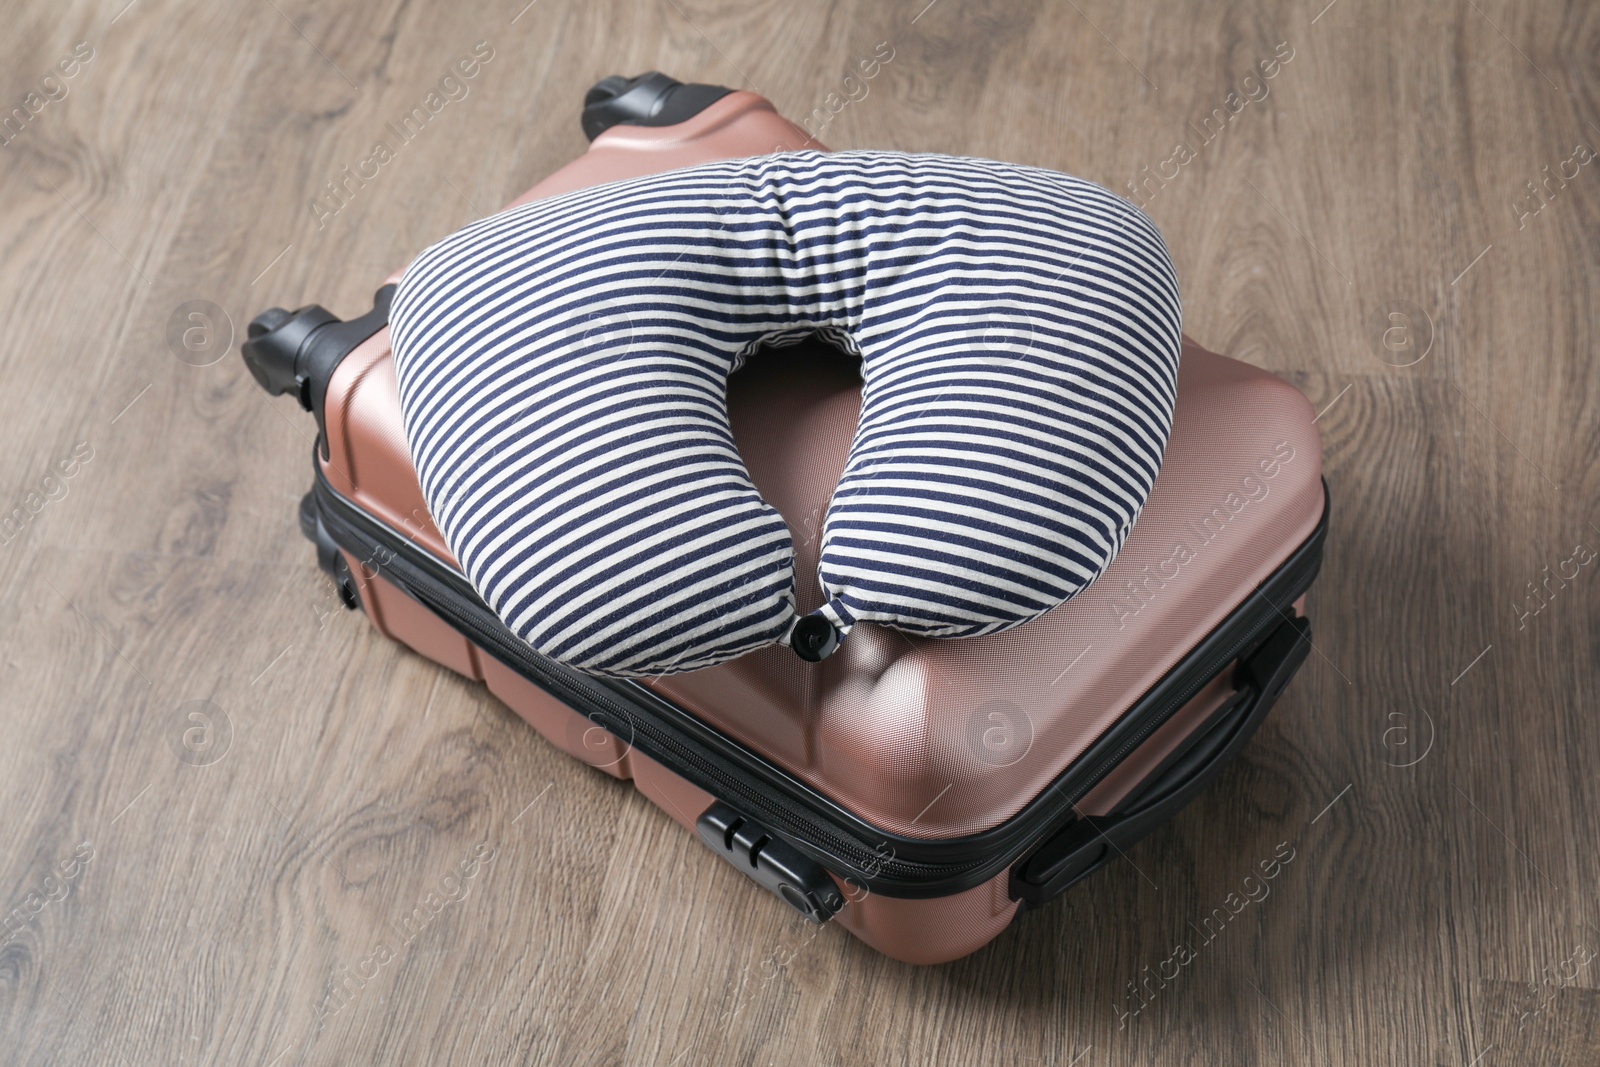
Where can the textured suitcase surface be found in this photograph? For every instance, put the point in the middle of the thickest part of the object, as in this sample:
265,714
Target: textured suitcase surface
923,789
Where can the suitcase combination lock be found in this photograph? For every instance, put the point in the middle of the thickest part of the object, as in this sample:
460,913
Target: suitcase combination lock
771,862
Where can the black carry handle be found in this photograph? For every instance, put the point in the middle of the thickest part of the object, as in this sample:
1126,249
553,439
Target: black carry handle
1088,843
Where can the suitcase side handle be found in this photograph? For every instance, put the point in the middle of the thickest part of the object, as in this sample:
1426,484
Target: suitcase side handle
1086,844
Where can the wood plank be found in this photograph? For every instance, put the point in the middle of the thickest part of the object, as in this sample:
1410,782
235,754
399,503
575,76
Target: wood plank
1432,767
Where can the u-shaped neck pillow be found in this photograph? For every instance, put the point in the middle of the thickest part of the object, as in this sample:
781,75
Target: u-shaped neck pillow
563,372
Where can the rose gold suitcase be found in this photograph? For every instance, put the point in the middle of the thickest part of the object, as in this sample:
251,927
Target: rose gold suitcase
918,792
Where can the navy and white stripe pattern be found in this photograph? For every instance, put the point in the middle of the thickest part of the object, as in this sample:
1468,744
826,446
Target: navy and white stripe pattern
563,370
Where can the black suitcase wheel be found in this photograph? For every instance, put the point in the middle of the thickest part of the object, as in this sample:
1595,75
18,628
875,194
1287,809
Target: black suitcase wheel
649,99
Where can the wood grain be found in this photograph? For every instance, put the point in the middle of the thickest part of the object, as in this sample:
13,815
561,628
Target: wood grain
1432,768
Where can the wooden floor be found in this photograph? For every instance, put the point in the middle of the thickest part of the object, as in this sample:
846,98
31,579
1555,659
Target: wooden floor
220,793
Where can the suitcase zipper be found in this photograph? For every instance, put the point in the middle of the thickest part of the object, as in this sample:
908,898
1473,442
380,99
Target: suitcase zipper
853,849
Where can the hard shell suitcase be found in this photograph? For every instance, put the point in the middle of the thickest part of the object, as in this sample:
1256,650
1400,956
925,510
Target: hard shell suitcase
918,792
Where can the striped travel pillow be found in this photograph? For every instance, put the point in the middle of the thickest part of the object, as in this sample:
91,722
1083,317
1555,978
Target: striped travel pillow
563,371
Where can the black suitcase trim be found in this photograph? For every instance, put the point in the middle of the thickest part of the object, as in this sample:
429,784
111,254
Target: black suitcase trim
855,850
